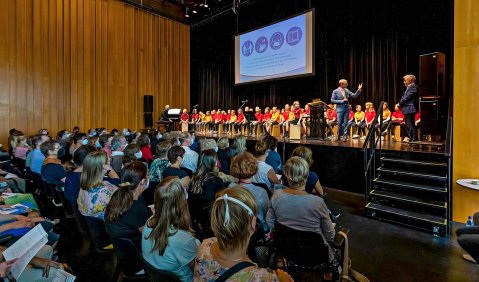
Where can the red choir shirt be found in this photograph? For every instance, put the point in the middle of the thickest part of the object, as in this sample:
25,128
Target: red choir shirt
227,118
369,116
213,117
331,114
219,117
194,117
397,115
286,115
240,118
351,115
308,111
259,117
297,113
417,117
266,116
184,117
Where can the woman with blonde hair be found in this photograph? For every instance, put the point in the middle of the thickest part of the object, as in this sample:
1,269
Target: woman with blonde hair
312,183
224,257
95,192
167,242
240,143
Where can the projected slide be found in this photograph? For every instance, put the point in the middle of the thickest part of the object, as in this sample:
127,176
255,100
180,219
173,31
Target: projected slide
279,50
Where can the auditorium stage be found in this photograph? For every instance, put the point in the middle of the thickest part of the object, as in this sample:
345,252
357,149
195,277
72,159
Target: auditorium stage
340,164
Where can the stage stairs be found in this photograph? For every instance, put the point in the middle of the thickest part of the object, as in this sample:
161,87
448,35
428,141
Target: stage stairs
411,189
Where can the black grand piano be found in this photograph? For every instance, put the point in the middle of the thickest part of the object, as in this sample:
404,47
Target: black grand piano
169,120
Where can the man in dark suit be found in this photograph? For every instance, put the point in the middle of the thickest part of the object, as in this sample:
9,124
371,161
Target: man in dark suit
340,97
409,105
165,119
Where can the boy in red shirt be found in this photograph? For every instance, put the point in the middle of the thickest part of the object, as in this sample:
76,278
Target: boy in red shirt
184,118
397,118
240,121
331,119
195,118
258,120
266,120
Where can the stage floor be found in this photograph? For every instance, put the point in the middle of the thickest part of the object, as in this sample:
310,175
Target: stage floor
352,143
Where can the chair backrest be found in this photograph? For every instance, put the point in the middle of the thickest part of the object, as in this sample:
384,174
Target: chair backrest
129,257
158,274
303,248
98,233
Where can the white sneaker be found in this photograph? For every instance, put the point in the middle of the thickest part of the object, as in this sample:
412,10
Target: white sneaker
405,140
355,136
362,138
393,138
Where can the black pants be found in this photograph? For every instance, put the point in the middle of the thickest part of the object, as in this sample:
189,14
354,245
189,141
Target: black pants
468,238
359,128
410,127
392,128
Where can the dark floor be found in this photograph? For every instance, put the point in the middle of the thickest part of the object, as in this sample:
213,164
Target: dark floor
379,250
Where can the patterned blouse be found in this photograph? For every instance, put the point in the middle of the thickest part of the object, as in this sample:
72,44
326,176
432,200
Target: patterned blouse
92,202
208,270
156,169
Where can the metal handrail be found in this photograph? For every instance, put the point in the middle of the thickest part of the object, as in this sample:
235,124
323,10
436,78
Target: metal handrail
369,150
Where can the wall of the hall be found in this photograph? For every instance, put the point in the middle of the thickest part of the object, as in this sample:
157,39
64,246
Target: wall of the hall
87,63
466,97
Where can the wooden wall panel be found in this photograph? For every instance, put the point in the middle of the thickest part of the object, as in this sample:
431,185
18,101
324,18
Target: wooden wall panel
466,95
88,63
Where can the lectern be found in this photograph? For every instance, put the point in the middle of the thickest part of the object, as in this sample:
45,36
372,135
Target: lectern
317,120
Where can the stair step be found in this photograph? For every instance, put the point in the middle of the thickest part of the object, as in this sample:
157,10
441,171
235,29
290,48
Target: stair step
413,174
408,185
408,199
412,162
408,214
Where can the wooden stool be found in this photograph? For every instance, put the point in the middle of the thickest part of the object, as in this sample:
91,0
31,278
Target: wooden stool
259,129
276,130
184,127
294,131
335,130
220,129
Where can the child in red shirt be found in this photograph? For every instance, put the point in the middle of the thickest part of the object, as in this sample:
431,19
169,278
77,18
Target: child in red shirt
369,115
397,118
184,116
240,121
331,119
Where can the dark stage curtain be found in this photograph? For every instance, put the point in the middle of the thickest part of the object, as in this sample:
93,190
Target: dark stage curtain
371,41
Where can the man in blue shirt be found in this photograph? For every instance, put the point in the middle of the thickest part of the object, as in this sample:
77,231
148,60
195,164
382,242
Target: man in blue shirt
37,156
340,97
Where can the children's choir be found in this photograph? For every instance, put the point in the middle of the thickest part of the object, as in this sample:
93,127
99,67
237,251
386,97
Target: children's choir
258,122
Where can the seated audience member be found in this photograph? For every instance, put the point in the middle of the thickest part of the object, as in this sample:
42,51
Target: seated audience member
175,157
40,268
397,119
105,143
312,183
233,223
37,157
144,142
240,143
95,192
207,144
118,144
52,170
114,132
273,158
63,138
72,184
160,163
358,122
245,167
331,119
94,141
295,208
265,174
132,152
78,141
21,148
204,186
167,240
468,239
223,157
126,213
190,161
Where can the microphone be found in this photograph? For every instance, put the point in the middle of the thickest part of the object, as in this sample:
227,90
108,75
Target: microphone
245,101
196,105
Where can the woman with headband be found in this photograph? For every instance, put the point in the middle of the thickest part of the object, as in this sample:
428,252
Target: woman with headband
224,257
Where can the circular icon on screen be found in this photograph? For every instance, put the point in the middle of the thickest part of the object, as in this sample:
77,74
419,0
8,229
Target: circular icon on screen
247,48
294,35
276,40
261,44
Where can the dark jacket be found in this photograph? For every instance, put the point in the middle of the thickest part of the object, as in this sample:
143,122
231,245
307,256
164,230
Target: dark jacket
409,102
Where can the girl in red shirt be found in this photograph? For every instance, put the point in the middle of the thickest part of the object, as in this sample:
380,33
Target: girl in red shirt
240,122
266,120
369,115
397,118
